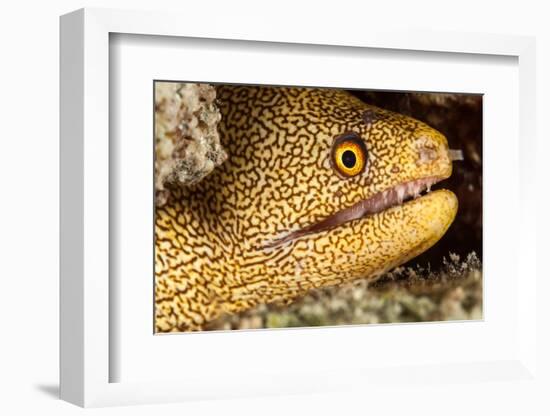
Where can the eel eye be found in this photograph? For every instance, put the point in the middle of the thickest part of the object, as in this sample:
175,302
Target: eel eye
349,155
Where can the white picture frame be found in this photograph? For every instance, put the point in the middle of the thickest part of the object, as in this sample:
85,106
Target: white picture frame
87,356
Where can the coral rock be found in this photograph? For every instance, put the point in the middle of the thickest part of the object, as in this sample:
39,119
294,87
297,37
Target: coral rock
186,136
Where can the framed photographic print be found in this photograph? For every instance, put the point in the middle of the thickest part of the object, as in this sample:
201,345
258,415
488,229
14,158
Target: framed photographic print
320,212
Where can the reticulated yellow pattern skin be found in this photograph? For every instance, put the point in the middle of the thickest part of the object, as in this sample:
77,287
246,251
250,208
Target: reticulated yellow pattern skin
212,251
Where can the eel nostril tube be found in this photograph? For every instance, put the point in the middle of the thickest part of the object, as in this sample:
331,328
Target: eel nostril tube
456,154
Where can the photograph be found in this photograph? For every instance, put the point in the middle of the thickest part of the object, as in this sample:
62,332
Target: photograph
303,206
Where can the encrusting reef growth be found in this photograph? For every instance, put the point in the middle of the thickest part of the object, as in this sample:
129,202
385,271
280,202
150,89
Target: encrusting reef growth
187,143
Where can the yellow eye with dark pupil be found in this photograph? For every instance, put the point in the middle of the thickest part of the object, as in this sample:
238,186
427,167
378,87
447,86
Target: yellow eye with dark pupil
349,155
349,159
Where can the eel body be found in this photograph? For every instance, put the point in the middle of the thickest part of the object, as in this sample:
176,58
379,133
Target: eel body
318,189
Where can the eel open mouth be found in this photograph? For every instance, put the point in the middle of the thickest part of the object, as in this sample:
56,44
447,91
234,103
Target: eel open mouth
377,203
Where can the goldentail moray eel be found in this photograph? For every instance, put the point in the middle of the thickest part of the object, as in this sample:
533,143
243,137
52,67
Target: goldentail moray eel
319,189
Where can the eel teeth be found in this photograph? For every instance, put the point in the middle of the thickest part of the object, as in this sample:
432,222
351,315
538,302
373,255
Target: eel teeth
377,203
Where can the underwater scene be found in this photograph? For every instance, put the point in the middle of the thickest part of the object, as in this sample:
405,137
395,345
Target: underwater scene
281,207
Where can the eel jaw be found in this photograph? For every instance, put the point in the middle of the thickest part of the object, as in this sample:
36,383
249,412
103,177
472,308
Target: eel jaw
377,203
